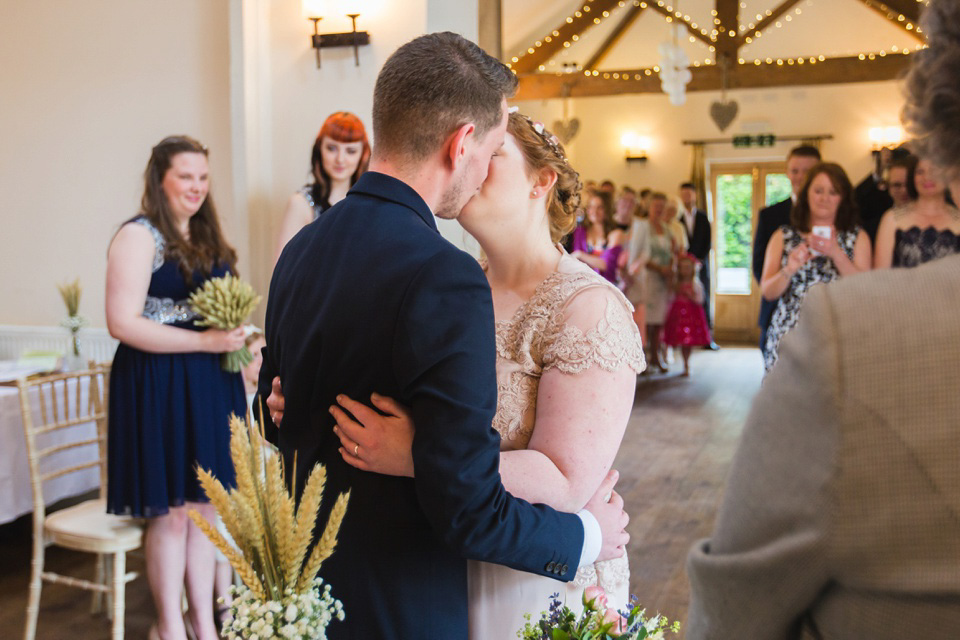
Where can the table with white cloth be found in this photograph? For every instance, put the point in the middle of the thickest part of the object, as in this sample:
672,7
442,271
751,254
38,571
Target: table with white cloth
16,496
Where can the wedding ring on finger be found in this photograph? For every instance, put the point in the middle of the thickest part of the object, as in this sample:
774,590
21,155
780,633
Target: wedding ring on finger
356,450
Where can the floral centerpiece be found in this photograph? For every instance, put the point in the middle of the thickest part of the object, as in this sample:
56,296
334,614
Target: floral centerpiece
225,303
596,622
74,321
281,596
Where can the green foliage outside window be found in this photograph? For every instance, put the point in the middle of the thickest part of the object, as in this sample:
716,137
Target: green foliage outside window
735,214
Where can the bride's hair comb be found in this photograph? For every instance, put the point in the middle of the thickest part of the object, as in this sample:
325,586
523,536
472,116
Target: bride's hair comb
552,141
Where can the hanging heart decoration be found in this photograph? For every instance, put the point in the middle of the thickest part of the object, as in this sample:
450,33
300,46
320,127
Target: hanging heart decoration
723,113
566,130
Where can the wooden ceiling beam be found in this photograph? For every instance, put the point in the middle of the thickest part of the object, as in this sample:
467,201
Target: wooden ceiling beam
705,39
542,86
909,9
530,62
775,14
632,14
911,15
728,40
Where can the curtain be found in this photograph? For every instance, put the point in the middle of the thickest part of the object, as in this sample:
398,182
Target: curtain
698,173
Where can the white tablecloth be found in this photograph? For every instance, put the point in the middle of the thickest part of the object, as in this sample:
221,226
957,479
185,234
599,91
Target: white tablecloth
16,497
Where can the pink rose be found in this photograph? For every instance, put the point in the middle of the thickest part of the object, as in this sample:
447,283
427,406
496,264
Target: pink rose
612,616
594,598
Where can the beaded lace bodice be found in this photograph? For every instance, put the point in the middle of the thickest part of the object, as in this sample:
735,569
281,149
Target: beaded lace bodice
541,335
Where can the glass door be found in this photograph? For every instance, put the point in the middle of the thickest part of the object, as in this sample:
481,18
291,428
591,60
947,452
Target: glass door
738,192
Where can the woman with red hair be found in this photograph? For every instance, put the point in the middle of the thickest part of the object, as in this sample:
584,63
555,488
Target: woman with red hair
340,154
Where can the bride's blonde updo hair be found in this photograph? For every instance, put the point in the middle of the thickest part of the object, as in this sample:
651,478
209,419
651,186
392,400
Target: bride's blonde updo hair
540,150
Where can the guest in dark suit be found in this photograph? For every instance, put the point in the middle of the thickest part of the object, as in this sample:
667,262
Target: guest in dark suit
699,240
799,162
370,297
873,193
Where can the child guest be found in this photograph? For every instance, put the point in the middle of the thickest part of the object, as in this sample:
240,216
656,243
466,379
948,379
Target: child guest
686,324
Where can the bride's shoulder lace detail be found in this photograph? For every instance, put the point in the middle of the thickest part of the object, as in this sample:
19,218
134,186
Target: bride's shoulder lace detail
608,574
591,324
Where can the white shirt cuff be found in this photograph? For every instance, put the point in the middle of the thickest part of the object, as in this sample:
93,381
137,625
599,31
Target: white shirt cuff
592,538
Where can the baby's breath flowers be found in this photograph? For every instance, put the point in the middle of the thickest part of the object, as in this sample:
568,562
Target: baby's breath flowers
225,303
281,596
74,321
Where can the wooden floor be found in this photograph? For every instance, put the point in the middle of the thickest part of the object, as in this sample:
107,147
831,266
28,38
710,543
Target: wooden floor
673,463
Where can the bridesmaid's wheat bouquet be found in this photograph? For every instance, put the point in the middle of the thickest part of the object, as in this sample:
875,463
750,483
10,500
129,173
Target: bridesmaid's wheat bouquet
281,595
225,303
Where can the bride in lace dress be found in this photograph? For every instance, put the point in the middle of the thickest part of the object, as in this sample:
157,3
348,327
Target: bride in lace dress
568,353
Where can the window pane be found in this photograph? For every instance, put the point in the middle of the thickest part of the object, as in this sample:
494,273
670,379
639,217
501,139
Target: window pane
734,233
777,188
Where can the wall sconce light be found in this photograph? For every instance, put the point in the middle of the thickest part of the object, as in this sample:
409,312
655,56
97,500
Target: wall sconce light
885,138
635,146
319,40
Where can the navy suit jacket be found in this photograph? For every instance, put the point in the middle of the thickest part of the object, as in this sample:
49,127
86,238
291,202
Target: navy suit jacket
769,220
700,240
370,297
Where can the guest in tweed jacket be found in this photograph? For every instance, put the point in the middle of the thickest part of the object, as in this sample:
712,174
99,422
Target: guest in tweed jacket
841,517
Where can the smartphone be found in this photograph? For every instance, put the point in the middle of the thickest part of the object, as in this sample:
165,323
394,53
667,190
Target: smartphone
822,231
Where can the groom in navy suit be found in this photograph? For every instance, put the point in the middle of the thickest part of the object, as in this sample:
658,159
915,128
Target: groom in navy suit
371,297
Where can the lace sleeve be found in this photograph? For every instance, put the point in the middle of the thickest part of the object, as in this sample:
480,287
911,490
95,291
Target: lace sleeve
594,327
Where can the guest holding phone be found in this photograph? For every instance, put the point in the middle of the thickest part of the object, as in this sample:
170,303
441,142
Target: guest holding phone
822,243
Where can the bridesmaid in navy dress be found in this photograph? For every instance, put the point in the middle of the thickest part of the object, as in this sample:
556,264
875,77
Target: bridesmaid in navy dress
169,398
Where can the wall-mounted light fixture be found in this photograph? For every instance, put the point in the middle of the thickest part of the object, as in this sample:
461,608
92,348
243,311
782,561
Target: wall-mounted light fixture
885,138
635,147
354,38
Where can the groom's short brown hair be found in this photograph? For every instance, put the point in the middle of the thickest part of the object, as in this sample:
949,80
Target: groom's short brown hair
429,87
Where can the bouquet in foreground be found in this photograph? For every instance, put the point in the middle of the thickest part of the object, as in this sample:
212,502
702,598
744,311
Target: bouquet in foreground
597,622
281,595
225,303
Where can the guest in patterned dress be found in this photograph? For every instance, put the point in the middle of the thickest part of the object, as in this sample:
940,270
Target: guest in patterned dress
340,154
925,229
822,243
170,400
568,353
597,242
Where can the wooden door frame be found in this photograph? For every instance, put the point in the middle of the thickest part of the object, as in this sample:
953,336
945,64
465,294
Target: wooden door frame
759,169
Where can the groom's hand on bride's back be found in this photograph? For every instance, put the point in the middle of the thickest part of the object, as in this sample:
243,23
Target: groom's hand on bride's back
606,505
275,401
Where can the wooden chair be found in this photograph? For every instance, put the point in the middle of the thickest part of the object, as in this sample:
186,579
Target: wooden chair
70,422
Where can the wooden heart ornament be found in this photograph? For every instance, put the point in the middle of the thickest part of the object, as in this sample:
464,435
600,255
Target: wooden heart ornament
566,130
723,113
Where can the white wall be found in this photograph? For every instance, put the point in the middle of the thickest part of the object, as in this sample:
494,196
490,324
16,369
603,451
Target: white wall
291,97
86,89
845,111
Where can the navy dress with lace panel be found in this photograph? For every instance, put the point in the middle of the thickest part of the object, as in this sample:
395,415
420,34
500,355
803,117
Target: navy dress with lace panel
318,207
169,412
914,246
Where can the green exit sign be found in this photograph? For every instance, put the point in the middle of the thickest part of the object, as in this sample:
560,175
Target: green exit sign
754,141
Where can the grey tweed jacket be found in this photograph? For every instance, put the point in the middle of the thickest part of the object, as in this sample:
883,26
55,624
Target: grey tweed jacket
841,517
